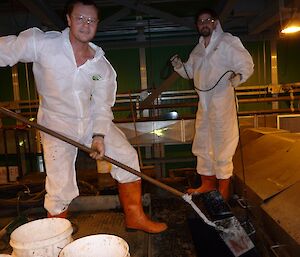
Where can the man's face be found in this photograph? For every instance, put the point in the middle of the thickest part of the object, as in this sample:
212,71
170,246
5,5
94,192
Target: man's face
83,22
206,24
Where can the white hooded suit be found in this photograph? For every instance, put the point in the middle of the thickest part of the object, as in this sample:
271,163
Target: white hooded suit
74,101
216,129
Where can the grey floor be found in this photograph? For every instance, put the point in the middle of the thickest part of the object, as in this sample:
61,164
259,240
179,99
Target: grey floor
177,241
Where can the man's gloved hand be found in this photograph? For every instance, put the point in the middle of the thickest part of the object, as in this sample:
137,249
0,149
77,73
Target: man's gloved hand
98,146
176,61
235,79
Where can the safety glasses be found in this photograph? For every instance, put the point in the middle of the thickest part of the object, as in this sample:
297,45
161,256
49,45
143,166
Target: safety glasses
84,20
205,21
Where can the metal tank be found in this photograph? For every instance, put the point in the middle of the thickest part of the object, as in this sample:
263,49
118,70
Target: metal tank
267,176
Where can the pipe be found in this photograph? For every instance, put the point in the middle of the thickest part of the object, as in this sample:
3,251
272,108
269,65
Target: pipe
18,104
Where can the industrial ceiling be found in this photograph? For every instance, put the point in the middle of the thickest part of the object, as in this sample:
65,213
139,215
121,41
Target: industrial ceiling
134,23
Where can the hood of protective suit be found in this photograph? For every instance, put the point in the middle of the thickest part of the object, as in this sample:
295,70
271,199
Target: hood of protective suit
216,34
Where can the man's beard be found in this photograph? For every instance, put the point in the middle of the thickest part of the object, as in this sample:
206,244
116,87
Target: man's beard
205,32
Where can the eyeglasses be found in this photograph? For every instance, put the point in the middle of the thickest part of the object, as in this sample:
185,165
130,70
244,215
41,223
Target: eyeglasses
205,21
82,20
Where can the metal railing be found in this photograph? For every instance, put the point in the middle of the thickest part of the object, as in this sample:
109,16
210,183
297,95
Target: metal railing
252,100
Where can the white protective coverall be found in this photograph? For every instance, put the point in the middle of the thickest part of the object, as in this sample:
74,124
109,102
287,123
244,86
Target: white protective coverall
74,101
216,127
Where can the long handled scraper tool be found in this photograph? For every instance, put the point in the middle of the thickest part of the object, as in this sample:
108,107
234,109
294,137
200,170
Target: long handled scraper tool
231,232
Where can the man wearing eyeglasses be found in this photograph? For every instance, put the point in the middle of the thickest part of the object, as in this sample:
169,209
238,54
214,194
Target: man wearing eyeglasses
217,64
77,88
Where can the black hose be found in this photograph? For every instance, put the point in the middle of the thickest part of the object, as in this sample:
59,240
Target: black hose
206,90
28,199
36,200
196,88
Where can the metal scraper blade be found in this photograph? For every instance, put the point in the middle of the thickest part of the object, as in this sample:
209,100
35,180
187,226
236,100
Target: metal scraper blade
228,226
234,236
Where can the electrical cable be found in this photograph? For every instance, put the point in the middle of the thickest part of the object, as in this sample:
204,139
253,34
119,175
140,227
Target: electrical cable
206,90
28,89
243,201
241,150
196,88
37,200
27,199
133,114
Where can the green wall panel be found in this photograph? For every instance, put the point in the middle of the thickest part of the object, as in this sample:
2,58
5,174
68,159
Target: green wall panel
127,65
288,59
260,52
159,67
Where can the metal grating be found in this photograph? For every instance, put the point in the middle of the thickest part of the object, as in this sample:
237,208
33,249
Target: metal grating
110,222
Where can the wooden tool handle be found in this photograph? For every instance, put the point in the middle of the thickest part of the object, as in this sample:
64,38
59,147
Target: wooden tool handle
89,150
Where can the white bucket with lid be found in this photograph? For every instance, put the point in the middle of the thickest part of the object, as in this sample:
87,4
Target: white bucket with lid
41,238
102,245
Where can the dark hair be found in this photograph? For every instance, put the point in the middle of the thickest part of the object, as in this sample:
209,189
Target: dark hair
71,3
209,11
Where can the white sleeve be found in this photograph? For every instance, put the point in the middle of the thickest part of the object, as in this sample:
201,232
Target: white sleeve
103,99
22,48
186,70
240,59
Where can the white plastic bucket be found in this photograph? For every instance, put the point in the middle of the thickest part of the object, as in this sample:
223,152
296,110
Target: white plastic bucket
102,245
41,238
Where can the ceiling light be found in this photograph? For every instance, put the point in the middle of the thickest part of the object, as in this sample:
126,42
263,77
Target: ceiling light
292,27
293,20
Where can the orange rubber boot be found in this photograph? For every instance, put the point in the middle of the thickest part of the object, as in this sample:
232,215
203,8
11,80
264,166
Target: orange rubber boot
61,215
130,195
208,183
224,188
